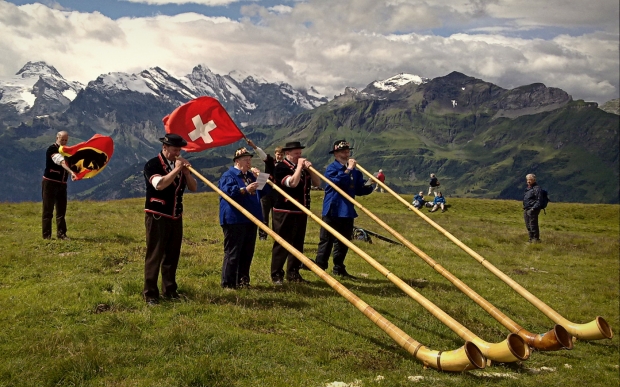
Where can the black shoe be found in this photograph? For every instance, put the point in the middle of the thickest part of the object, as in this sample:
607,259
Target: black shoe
297,279
343,273
152,301
171,296
64,237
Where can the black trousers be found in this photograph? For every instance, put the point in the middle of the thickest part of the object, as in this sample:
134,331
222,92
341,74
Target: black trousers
266,203
54,194
292,228
239,244
344,226
163,248
531,223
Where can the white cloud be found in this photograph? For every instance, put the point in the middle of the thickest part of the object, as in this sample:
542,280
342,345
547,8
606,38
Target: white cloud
202,2
332,44
281,9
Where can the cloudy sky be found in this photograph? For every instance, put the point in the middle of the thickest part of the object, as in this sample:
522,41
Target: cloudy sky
328,44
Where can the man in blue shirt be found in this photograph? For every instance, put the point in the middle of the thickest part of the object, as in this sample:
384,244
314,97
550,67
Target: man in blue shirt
239,183
339,212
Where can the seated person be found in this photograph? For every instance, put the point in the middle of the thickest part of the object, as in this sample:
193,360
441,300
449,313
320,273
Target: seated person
439,201
418,200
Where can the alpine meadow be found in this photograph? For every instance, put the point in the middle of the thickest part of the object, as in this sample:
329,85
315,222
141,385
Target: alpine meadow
73,315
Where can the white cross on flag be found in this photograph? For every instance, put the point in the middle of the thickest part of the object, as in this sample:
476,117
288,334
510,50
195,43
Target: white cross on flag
203,123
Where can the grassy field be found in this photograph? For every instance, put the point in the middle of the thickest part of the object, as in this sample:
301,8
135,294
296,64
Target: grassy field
71,312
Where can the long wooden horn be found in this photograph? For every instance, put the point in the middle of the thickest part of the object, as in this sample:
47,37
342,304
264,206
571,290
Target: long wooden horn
594,330
465,358
510,350
555,339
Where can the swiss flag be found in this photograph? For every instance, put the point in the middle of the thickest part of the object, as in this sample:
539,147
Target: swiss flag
203,123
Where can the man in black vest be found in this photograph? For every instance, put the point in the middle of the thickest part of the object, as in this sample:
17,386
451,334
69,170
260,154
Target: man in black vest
54,188
293,176
166,177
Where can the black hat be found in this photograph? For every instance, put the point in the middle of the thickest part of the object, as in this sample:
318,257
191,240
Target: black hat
292,145
340,145
173,140
242,152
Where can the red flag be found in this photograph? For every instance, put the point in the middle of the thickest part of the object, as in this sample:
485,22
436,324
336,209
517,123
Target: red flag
203,123
88,158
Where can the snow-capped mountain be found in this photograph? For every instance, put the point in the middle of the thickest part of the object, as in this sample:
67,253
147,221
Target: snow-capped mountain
387,86
37,89
249,100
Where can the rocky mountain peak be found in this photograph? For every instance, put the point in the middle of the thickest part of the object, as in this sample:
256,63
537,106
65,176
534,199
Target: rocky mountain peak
36,69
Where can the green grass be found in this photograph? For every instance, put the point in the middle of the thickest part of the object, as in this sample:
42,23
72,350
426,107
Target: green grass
71,312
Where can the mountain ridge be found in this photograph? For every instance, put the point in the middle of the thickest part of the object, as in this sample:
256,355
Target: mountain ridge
478,136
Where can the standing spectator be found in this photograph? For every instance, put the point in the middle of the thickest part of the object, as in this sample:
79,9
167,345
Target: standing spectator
418,200
438,202
339,212
531,208
268,195
294,177
381,178
166,177
433,185
239,232
54,188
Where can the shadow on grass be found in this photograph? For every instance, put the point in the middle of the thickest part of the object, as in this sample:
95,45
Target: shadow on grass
117,238
412,324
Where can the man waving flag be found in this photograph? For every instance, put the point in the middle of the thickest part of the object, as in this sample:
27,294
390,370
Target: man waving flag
203,123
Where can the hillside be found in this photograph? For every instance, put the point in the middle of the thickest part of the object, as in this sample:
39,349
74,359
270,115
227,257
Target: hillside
480,139
72,313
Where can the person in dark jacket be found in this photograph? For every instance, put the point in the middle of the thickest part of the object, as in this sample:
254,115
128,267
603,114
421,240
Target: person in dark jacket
439,202
433,185
294,177
54,188
531,208
166,177
268,196
339,212
239,183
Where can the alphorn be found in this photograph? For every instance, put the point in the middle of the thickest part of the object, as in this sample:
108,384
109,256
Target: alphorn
465,358
594,330
555,339
510,350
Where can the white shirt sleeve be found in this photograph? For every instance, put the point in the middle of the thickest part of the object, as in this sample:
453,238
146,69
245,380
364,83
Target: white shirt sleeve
57,158
155,181
287,180
261,154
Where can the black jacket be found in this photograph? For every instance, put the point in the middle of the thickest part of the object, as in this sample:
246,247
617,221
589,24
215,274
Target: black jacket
167,202
531,198
54,171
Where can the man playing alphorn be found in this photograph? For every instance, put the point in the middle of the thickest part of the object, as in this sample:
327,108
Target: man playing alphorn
293,176
338,212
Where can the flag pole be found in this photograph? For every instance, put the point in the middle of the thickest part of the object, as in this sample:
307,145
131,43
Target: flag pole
465,358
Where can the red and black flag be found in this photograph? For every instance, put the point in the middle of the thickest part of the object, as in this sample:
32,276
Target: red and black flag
88,158
203,123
